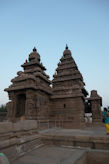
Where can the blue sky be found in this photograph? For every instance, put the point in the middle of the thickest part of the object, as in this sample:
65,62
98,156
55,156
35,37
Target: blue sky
49,25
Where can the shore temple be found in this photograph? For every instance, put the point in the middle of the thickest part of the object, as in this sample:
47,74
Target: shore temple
33,96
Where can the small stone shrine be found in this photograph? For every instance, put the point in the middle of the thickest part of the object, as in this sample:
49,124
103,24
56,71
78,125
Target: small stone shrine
30,92
95,103
32,97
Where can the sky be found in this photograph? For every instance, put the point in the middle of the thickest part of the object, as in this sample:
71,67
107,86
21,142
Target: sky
49,25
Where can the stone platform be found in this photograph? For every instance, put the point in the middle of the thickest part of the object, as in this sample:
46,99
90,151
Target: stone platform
51,155
94,138
69,146
45,145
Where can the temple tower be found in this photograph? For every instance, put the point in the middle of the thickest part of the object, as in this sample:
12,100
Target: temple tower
68,93
30,91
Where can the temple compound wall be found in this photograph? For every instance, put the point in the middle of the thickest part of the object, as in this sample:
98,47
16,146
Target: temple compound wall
32,97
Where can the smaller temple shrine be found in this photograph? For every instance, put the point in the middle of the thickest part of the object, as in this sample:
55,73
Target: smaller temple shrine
32,96
95,102
30,91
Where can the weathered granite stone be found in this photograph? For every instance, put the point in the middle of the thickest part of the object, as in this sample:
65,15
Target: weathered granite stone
25,125
32,97
5,127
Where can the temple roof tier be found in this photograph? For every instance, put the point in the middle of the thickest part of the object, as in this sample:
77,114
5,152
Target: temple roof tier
33,63
38,74
35,70
15,88
68,78
32,70
66,88
44,89
67,67
67,73
66,62
67,96
23,77
65,58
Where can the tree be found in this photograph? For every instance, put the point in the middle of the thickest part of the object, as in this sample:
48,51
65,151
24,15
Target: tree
3,108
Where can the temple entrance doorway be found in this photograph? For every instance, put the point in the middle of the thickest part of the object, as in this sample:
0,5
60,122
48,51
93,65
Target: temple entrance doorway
21,99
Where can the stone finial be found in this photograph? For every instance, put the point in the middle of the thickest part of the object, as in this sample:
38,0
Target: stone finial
66,51
34,49
94,93
66,47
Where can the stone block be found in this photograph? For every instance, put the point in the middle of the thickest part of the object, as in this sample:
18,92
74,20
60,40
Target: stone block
25,125
5,127
8,143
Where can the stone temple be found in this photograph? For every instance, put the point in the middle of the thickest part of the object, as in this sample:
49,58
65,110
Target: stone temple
64,99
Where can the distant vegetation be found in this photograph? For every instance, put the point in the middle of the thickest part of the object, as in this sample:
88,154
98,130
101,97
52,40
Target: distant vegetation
3,108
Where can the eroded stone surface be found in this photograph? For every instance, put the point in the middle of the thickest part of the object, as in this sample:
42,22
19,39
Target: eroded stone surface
32,97
64,155
51,155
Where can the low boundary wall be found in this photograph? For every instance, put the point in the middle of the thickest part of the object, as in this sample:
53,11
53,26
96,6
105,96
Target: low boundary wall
16,139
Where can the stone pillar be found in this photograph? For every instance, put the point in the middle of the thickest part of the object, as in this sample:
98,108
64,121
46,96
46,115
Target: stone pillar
96,102
30,110
11,107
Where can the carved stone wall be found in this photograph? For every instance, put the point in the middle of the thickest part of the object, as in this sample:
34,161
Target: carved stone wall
43,105
69,109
